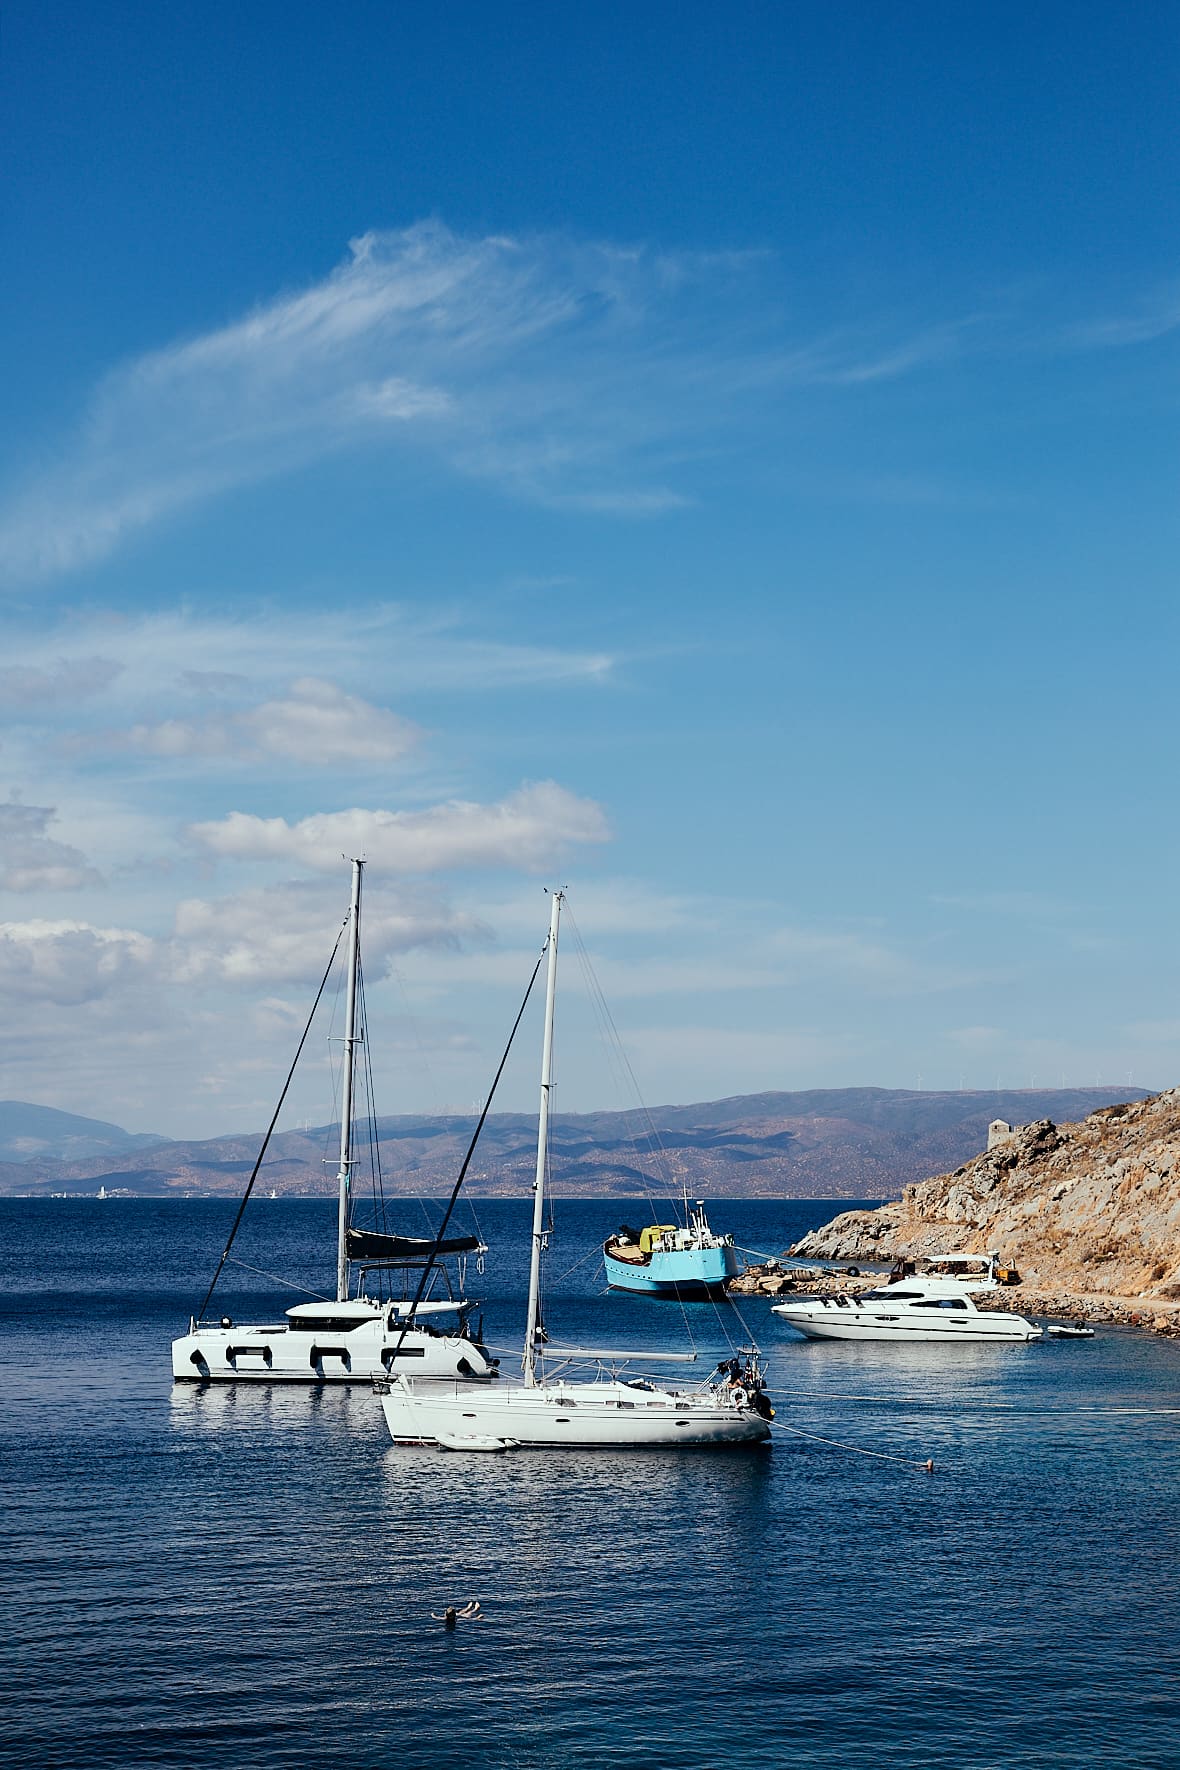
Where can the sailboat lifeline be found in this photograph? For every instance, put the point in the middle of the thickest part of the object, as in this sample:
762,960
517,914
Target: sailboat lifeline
545,1410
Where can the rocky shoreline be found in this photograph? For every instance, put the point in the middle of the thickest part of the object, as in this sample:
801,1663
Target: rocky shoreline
1089,1214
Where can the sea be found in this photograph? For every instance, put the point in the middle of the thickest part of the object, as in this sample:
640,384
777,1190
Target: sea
250,1576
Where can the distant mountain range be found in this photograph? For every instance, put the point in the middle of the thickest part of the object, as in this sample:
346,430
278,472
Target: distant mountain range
824,1143
42,1134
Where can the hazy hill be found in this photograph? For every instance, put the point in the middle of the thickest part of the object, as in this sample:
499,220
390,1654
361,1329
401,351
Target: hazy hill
824,1143
41,1133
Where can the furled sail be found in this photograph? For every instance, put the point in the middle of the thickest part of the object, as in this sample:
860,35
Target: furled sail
368,1244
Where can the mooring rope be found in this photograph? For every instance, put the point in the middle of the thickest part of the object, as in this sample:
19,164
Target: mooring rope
885,1456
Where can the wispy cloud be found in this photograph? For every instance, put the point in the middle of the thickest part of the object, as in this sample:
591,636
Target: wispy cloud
875,966
1034,905
317,725
1142,323
561,369
61,682
198,659
529,829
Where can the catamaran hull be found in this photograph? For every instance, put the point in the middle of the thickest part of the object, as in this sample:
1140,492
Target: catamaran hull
535,1418
689,1272
978,1327
280,1354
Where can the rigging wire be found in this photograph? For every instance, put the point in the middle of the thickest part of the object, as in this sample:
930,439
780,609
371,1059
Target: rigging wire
414,1024
451,1202
278,1278
621,1064
376,1177
580,1261
659,1155
270,1128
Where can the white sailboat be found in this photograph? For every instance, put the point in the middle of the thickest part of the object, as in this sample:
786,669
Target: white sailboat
550,1406
346,1339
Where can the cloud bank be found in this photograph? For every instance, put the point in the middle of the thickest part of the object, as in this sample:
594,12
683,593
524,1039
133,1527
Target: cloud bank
528,829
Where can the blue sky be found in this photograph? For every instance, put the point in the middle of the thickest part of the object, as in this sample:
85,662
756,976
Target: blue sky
720,460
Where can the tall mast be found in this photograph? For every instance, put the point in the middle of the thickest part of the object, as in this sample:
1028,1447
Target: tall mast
350,1042
530,1332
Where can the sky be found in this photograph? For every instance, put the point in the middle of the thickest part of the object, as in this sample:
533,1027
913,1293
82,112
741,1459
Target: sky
721,461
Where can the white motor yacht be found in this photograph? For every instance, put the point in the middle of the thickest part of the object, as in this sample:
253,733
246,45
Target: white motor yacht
939,1307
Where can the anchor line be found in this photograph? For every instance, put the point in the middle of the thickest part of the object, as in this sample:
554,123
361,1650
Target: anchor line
855,1449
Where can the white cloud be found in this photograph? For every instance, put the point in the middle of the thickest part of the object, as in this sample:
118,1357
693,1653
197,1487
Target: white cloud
284,933
567,371
528,830
30,860
317,724
277,935
67,962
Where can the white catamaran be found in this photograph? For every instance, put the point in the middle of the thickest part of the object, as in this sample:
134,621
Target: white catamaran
554,1408
345,1339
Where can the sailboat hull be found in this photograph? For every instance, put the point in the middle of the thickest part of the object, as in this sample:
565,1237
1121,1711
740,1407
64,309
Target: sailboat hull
587,1415
280,1354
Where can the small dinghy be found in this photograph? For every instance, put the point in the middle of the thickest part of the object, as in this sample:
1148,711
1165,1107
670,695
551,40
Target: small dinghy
1069,1330
473,1441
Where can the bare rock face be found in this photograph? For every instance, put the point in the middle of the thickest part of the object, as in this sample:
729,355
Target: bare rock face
1092,1207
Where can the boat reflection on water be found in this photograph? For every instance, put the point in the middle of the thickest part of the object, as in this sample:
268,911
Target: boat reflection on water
272,1407
693,1488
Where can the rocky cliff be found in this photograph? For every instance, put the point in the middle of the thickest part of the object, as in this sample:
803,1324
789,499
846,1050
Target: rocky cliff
1084,1210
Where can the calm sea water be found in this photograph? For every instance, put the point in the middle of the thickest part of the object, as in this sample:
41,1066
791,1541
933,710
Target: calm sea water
245,1577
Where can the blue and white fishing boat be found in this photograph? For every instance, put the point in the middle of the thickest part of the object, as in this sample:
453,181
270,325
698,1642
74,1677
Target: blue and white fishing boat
671,1260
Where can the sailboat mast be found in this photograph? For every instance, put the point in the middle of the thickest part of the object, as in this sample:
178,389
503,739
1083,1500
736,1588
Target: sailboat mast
530,1332
343,1177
